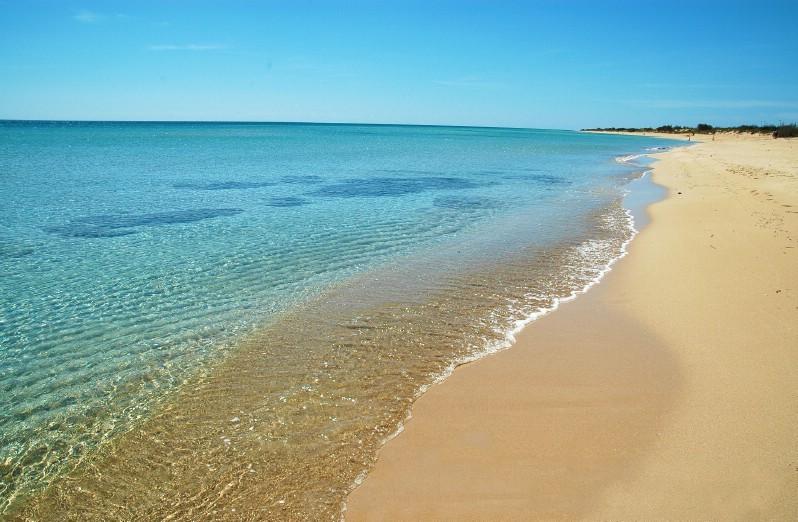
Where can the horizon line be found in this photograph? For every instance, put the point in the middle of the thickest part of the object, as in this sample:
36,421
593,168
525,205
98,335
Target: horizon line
277,122
341,123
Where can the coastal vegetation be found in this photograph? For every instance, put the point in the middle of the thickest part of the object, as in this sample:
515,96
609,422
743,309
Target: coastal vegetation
781,130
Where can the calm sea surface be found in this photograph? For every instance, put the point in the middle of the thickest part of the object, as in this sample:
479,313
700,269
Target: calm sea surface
228,320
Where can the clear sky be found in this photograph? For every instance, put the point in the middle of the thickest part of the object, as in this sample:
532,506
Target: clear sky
547,64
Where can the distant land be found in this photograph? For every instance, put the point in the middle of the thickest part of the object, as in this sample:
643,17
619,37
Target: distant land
778,131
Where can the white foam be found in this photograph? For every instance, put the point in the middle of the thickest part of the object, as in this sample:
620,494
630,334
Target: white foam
518,325
627,159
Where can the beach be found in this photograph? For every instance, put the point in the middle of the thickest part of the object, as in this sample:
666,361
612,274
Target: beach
417,261
666,392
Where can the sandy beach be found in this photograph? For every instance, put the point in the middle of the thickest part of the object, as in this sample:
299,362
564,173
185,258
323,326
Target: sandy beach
667,392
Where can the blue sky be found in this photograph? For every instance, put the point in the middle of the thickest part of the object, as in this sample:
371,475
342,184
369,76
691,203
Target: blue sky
547,64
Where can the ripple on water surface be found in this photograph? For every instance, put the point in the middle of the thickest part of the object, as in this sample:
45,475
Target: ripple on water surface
196,318
286,423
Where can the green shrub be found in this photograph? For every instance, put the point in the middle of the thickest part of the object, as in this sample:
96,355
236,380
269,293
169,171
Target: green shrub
787,131
781,130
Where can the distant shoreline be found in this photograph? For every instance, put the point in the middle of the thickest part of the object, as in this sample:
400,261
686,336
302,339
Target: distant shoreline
703,129
651,134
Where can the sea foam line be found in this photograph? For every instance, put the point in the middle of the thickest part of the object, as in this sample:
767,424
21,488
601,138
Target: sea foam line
629,158
511,335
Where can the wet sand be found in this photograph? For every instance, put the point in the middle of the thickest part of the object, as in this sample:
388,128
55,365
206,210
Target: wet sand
666,392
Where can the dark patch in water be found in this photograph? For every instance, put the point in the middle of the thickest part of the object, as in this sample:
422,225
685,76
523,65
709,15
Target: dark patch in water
310,179
544,179
379,187
548,179
225,185
12,251
157,218
415,172
465,203
288,201
115,225
87,231
491,172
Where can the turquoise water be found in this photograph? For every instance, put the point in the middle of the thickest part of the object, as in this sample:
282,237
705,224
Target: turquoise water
134,255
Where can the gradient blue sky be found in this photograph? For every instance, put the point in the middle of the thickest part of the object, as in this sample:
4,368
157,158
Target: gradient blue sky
549,64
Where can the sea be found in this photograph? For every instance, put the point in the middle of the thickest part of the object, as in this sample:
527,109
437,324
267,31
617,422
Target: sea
227,320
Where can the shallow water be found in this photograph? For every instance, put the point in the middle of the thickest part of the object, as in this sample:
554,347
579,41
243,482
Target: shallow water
229,319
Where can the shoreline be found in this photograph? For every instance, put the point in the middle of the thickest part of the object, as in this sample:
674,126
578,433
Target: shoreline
546,415
654,134
638,199
273,469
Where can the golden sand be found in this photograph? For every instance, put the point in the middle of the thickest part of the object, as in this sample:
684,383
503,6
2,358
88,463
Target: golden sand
667,392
